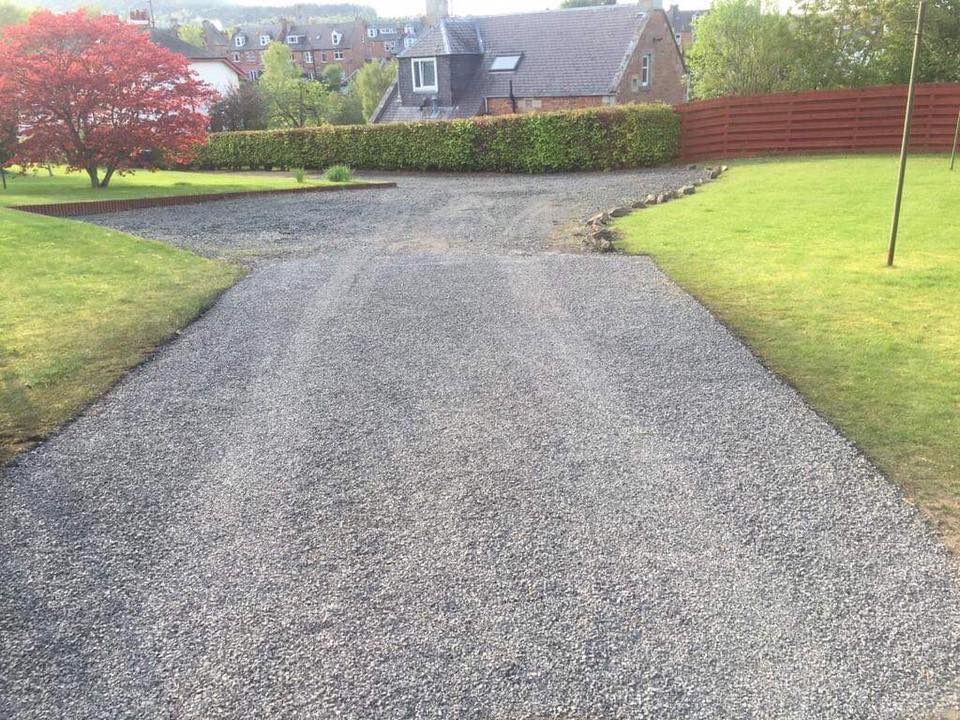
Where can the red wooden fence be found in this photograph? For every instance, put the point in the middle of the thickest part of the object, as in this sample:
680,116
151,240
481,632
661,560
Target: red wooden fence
859,120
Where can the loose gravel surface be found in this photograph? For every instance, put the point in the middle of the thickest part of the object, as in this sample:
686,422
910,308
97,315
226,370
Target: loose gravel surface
405,471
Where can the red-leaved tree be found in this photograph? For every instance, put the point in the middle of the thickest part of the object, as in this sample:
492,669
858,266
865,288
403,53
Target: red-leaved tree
95,93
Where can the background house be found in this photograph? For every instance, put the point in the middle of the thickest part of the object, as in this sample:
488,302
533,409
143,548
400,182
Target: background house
552,60
682,23
211,67
316,45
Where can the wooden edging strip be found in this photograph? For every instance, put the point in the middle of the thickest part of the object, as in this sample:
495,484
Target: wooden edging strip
96,207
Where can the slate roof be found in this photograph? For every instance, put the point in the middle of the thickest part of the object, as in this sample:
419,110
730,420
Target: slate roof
553,43
170,41
316,36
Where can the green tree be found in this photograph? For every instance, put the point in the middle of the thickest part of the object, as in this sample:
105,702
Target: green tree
291,100
347,108
191,34
744,48
867,42
567,4
242,108
11,14
371,82
332,76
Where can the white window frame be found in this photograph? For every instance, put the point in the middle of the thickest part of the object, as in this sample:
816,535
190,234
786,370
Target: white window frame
265,40
338,54
240,41
308,57
336,37
371,32
414,64
646,64
323,56
293,39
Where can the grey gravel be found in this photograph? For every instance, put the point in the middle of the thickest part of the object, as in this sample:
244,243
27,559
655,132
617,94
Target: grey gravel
407,472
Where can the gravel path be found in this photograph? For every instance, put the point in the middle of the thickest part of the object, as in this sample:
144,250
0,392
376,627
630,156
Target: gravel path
410,473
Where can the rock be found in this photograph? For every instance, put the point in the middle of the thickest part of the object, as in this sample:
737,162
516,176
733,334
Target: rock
639,205
714,173
602,239
698,182
692,167
599,219
723,168
650,199
687,190
619,212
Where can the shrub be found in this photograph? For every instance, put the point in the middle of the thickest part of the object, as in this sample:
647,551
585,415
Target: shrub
606,138
339,173
299,175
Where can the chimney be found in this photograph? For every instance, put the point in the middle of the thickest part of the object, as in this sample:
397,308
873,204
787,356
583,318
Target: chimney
437,10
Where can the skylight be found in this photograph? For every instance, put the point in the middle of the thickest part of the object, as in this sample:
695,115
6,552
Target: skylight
505,63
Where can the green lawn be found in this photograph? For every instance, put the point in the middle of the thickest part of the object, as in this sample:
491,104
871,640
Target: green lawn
37,187
791,255
81,304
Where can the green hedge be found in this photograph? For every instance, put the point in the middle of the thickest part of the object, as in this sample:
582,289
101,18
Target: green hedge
594,139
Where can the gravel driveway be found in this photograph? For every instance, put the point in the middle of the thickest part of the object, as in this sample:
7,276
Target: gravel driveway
419,465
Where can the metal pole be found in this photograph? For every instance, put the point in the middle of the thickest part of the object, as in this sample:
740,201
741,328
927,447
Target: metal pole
921,12
956,137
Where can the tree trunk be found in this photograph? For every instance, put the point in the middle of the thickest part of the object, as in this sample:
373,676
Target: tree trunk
94,179
106,177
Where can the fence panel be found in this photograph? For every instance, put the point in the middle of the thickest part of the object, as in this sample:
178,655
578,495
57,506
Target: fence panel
855,120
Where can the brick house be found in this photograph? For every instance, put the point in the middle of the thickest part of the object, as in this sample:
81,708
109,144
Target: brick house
682,23
313,46
552,60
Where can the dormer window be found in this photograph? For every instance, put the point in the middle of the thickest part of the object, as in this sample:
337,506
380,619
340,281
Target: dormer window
424,74
371,32
336,37
293,39
264,40
240,40
505,63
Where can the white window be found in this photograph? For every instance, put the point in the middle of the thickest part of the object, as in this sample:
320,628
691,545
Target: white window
292,39
677,38
338,54
323,57
336,37
409,41
240,40
308,57
236,57
408,29
390,45
371,32
264,40
645,70
505,63
424,74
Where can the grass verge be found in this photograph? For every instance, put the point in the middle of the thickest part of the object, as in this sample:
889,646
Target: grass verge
37,187
81,304
791,255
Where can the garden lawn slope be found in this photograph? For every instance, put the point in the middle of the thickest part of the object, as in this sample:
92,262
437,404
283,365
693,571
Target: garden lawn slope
37,188
81,304
790,254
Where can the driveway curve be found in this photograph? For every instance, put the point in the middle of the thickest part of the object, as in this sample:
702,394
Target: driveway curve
419,464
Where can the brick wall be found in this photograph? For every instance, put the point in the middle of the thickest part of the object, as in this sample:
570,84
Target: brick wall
666,71
502,106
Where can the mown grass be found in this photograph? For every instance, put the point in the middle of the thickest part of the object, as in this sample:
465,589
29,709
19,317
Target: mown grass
37,187
791,255
81,304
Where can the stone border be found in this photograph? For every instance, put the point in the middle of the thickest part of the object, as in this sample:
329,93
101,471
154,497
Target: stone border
96,207
601,238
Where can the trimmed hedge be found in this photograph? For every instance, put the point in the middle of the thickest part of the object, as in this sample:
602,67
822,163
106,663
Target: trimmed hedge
623,136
